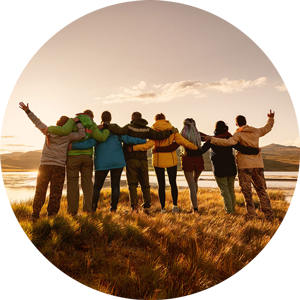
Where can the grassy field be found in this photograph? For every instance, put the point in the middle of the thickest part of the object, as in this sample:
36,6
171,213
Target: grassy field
158,256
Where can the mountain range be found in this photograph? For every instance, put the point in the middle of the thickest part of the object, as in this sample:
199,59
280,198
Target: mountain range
276,158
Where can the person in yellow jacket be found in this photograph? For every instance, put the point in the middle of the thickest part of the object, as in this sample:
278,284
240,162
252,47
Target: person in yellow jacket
165,160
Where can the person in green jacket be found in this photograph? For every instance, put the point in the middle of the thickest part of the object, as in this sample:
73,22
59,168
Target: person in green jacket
137,162
80,161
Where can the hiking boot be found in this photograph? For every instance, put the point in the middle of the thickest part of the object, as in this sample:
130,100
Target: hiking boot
175,209
146,211
135,209
163,211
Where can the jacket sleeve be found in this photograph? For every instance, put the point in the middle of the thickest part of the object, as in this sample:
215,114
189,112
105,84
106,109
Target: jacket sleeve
173,147
63,130
76,136
99,136
179,139
159,135
84,145
35,120
226,142
131,140
246,150
205,147
116,129
144,147
267,128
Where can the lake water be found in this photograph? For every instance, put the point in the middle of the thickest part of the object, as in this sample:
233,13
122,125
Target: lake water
21,185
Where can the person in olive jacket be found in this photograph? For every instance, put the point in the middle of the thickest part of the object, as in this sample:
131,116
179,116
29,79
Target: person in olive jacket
165,160
137,162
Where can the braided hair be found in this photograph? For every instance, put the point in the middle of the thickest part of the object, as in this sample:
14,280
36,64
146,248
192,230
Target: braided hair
190,132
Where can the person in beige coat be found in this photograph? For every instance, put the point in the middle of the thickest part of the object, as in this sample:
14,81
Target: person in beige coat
250,167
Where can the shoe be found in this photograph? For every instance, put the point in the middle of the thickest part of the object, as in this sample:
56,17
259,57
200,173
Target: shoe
112,211
135,209
175,209
33,219
146,211
195,211
163,211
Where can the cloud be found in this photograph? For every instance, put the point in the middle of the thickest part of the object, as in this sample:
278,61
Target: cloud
285,87
8,137
231,86
295,143
17,145
170,91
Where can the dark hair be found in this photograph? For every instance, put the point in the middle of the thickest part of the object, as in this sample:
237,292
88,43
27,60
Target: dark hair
62,121
241,120
106,116
160,116
136,115
89,112
220,127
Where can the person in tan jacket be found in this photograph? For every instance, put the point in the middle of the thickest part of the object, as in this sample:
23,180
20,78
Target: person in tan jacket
162,160
250,167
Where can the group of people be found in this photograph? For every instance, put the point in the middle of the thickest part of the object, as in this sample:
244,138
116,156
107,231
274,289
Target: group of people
70,143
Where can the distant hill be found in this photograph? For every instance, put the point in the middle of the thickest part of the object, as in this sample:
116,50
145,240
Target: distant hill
276,158
28,161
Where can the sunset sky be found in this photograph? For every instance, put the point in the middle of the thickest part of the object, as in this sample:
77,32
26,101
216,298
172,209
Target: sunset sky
150,57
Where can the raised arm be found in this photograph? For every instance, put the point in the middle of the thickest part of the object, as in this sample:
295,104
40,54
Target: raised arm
35,120
268,127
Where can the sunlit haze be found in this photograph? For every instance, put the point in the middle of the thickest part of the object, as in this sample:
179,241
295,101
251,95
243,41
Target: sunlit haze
150,57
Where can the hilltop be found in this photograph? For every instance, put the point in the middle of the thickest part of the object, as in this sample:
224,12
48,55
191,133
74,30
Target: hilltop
276,158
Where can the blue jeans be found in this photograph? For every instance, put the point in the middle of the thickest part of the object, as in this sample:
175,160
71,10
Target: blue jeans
115,176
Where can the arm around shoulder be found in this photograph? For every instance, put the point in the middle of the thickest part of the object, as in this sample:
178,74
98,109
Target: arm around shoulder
63,130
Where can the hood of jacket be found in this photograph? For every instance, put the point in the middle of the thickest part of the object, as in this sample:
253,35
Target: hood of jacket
246,128
162,125
85,120
140,123
224,135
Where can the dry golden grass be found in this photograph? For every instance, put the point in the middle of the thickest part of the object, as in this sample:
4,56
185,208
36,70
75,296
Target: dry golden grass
158,256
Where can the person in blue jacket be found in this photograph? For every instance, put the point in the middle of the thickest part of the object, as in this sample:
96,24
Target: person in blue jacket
109,157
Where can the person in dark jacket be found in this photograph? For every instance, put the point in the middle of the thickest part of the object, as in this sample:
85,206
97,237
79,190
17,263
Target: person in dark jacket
137,162
224,166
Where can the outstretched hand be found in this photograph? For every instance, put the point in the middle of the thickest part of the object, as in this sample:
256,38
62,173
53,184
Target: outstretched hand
271,114
100,126
23,106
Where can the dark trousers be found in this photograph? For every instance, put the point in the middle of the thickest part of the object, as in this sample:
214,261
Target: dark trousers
115,176
137,172
56,176
160,174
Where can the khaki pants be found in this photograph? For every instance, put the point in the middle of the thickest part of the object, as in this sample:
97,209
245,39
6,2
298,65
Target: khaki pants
137,172
82,164
226,187
256,177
